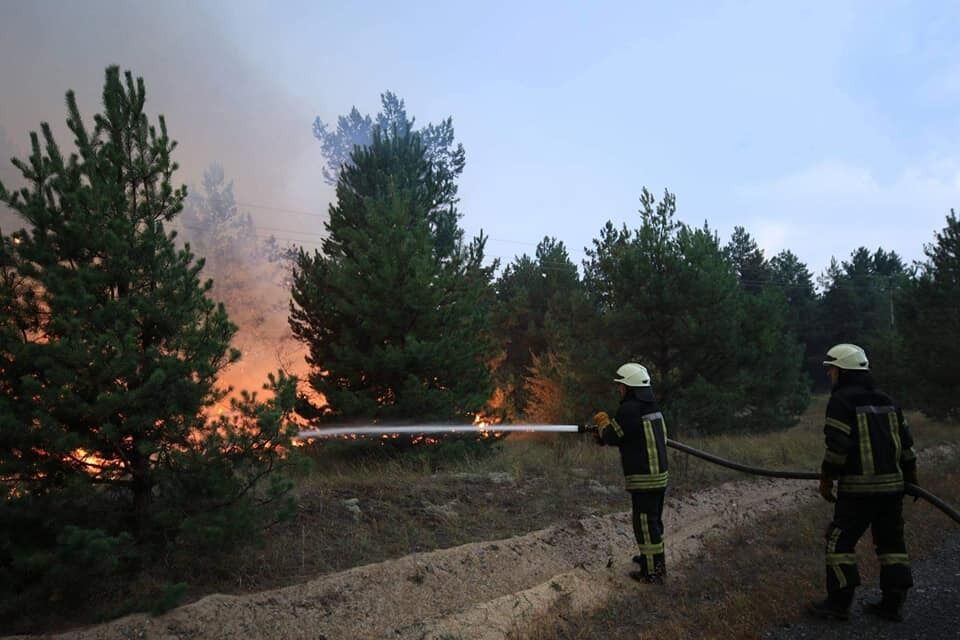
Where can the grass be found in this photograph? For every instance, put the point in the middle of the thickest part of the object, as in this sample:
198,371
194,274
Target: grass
419,501
436,497
759,577
798,448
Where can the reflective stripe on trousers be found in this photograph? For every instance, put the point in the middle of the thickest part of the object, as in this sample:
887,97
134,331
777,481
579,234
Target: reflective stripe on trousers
648,530
852,515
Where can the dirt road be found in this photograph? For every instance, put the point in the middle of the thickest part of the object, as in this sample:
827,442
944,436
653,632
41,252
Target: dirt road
475,591
932,609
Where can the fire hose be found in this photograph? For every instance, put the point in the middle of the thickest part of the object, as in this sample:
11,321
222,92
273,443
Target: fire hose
909,489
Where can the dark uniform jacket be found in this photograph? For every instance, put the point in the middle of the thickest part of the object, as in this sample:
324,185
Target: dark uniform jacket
640,432
869,448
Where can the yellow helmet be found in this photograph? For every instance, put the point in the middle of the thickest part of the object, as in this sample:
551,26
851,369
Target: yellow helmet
633,375
847,356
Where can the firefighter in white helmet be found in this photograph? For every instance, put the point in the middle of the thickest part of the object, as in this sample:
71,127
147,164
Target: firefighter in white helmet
869,452
639,431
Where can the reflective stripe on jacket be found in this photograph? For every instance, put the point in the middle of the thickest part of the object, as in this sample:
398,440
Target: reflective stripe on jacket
868,442
641,434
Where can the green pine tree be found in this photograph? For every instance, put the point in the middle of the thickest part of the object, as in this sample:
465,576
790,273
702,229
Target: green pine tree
530,291
753,270
790,275
859,302
395,309
337,144
667,298
930,324
702,318
109,354
770,360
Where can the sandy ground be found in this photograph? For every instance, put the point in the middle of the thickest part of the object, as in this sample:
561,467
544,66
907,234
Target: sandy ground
477,591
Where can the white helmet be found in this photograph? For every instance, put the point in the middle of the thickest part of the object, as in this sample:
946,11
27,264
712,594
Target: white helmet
847,356
633,375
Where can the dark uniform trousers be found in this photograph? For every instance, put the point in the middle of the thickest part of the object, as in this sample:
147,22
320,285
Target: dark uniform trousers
869,450
639,431
648,530
852,515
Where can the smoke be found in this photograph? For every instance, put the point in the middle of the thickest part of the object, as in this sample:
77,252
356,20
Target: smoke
9,176
251,277
218,104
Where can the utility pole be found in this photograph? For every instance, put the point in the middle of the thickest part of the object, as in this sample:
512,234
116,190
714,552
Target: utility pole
890,295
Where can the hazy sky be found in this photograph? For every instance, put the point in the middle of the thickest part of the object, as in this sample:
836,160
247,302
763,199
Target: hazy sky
818,126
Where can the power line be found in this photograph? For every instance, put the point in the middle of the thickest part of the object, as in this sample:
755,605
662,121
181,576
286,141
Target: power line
280,209
299,232
565,267
851,281
322,215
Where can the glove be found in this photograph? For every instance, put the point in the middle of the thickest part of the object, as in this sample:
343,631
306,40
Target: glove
912,477
602,420
826,490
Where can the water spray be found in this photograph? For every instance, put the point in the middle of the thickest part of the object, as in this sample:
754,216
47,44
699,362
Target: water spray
481,428
417,429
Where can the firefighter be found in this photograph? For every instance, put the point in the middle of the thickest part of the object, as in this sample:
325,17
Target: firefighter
869,453
639,431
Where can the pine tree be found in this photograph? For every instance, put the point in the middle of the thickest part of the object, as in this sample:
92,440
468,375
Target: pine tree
930,324
337,145
530,291
770,359
667,299
217,229
109,353
671,298
395,309
753,270
249,277
859,306
774,386
791,275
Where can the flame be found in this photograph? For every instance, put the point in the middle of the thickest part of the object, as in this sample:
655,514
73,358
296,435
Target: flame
89,459
483,422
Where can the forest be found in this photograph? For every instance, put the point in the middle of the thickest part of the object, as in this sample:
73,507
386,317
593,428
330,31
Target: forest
127,301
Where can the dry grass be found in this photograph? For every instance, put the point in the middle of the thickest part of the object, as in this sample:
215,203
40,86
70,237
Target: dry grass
755,579
798,448
427,499
420,501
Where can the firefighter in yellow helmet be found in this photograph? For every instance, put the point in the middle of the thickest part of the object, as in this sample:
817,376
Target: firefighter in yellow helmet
869,454
639,431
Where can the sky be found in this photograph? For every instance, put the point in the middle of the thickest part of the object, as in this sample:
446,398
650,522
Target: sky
818,126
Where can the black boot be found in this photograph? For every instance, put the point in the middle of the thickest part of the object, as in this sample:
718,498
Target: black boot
658,574
890,606
836,606
646,578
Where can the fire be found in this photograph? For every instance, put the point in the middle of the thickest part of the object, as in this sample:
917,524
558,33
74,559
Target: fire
93,465
88,458
483,422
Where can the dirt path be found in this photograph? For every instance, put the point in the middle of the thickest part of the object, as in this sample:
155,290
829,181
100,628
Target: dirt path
475,591
932,609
